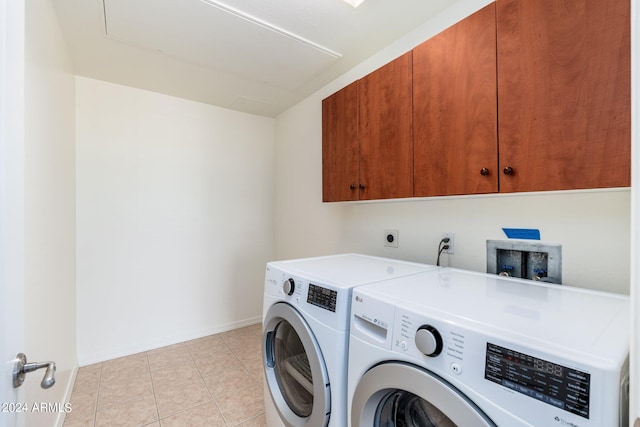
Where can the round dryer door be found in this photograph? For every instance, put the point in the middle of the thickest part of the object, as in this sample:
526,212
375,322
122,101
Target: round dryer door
295,373
398,394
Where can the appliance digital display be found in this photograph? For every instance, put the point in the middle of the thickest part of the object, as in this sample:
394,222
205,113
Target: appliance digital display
554,384
322,297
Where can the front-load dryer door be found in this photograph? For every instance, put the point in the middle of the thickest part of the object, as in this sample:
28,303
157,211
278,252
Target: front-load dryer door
399,394
295,370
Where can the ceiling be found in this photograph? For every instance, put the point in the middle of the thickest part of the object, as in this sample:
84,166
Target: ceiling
256,56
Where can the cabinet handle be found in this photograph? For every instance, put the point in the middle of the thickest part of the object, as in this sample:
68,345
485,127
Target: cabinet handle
362,186
484,171
352,187
508,170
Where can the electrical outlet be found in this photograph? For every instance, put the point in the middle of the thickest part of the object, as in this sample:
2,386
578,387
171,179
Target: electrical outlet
391,238
450,242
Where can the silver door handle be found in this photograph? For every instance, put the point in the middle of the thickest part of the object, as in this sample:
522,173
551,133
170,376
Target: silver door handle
21,368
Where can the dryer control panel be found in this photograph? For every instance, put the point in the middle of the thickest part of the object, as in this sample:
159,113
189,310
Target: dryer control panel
322,297
326,303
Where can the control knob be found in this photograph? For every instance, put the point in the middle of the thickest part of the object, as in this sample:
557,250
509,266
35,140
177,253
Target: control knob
289,286
428,340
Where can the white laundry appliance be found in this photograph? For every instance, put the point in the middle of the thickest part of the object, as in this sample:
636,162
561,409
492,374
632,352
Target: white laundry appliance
306,334
450,347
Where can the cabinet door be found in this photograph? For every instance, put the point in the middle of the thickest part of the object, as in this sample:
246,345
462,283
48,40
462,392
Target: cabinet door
564,93
455,109
386,143
340,148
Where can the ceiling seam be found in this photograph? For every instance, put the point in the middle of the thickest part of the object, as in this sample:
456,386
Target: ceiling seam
271,27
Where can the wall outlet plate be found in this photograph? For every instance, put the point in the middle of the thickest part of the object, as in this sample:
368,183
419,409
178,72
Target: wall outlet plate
391,238
450,243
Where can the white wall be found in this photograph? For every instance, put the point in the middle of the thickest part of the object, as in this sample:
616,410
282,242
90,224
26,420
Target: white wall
49,217
584,223
635,217
174,218
593,227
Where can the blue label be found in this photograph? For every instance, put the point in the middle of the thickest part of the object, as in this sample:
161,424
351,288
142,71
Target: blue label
522,233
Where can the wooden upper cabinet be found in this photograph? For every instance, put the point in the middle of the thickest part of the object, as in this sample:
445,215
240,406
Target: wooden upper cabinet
564,94
340,147
523,95
455,109
385,130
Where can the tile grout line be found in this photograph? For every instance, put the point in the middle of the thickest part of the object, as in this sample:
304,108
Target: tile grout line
95,412
153,390
213,399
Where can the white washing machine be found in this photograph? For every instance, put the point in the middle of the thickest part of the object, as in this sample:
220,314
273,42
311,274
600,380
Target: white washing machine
306,334
449,347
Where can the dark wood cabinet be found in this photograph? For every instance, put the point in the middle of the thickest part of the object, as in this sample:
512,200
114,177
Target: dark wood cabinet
386,143
340,146
455,109
367,145
523,95
564,94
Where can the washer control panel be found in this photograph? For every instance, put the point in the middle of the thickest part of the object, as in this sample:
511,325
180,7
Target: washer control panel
430,340
543,387
540,379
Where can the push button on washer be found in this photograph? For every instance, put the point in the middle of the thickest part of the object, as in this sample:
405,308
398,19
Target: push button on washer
457,369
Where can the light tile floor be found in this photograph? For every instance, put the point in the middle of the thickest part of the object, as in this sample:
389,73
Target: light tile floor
215,381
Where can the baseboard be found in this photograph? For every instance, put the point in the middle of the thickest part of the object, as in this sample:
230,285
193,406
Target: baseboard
67,394
89,359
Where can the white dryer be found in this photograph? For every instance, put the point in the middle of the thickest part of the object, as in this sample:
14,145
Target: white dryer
306,334
449,347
